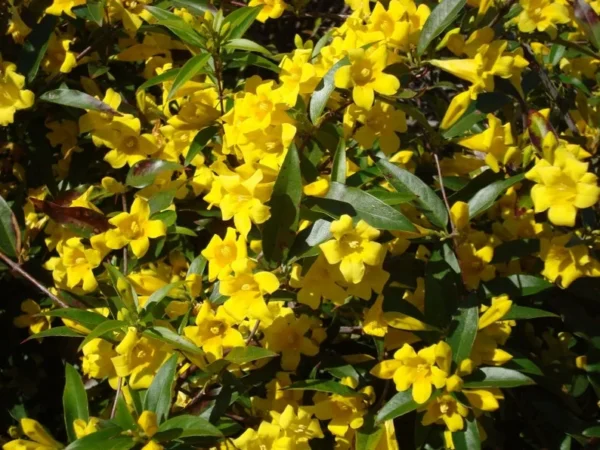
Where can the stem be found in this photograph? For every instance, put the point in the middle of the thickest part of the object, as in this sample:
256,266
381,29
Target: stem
444,196
125,254
253,332
114,407
14,266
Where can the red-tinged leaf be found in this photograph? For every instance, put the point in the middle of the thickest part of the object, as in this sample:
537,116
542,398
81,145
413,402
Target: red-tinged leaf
588,20
538,127
75,216
144,172
66,198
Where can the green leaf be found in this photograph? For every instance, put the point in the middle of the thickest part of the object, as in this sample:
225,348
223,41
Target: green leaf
76,99
88,319
369,435
75,402
104,328
485,198
240,20
190,69
177,26
464,330
143,173
8,227
427,200
467,439
105,438
123,416
123,288
338,168
400,404
201,140
35,47
159,395
158,295
517,285
391,198
96,10
55,332
186,426
575,82
592,431
280,229
247,45
323,91
588,20
197,266
464,124
243,355
370,209
500,377
439,19
329,386
194,6
518,312
556,53
170,337
159,79
507,251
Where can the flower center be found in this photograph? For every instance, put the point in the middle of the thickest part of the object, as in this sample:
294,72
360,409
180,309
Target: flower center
246,287
422,368
130,142
444,408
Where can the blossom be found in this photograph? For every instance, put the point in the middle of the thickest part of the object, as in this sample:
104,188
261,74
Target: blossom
214,332
541,15
286,335
267,436
149,425
320,282
83,428
97,359
271,9
474,257
563,187
221,253
423,370
32,318
352,247
40,438
298,75
58,56
128,12
448,410
301,426
134,228
365,75
64,6
75,265
565,263
14,97
401,24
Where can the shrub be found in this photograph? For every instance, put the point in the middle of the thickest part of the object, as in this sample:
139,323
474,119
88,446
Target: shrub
381,231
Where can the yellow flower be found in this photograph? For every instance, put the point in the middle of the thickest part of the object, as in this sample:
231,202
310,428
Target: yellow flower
446,409
221,253
298,76
149,425
134,228
382,121
63,133
31,318
541,15
401,24
214,332
83,428
139,358
127,145
493,331
474,257
14,97
96,361
64,6
457,107
564,264
278,398
75,265
496,142
271,9
300,426
318,283
268,436
286,335
40,439
128,12
58,57
365,75
17,28
353,247
423,370
563,187
113,186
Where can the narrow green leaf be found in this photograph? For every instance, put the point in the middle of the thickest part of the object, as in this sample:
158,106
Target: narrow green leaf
464,330
244,59
338,168
468,438
170,337
439,19
517,285
158,295
143,173
76,99
75,402
369,435
240,20
427,200
88,319
35,47
197,266
123,416
400,404
8,234
280,230
247,45
518,312
243,355
159,79
329,386
185,426
592,431
177,26
556,53
485,198
105,438
159,395
96,10
325,88
190,69
55,332
201,140
369,208
575,82
123,288
489,377
194,6
104,328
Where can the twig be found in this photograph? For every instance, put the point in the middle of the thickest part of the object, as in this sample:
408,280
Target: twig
114,407
381,400
444,196
84,52
501,13
14,266
125,254
253,332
